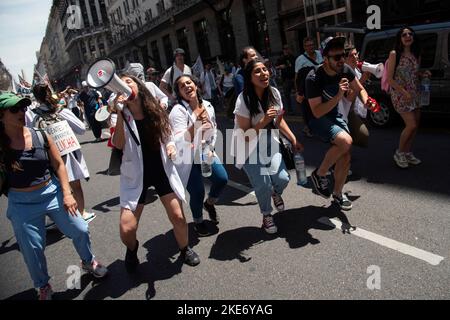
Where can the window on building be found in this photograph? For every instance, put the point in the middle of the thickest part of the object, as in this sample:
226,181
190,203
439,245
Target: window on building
93,13
91,43
84,13
103,11
258,33
340,4
101,48
160,7
126,7
183,43
155,54
136,56
324,6
201,36
168,50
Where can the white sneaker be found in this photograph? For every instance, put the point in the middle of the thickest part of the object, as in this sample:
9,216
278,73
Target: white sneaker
400,159
412,159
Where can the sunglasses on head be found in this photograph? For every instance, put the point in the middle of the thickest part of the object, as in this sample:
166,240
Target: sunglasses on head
18,108
406,34
337,57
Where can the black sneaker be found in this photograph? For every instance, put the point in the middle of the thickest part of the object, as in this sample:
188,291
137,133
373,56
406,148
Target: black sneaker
201,229
211,212
321,185
190,257
343,202
131,259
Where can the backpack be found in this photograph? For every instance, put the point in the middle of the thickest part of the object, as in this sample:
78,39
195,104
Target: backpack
302,74
384,79
44,119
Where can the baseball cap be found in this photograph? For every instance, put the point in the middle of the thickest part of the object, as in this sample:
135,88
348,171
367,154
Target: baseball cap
332,43
9,100
137,70
178,51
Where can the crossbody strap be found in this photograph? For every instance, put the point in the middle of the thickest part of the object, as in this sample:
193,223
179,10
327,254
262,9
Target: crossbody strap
131,130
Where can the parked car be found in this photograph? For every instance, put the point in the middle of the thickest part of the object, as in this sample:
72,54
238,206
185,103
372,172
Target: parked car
435,40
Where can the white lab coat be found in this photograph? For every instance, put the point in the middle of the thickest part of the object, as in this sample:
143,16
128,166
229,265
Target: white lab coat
182,118
132,168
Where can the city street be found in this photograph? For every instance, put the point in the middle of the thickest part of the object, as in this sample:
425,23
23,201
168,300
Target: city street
393,244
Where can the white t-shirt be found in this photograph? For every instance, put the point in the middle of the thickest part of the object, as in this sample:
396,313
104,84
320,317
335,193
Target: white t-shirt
302,61
176,73
242,110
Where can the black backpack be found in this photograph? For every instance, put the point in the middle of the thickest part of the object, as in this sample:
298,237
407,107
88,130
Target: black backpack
302,74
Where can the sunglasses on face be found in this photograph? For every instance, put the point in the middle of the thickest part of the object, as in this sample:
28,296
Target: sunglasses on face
407,34
18,108
337,57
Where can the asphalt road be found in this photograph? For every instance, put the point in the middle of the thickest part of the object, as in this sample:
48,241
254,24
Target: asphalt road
398,229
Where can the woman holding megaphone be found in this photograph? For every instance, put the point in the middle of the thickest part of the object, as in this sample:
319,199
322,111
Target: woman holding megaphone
144,134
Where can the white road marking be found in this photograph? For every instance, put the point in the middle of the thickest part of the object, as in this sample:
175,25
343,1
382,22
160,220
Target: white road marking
420,254
241,187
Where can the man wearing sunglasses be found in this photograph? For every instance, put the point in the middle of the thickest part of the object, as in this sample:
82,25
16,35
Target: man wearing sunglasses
325,87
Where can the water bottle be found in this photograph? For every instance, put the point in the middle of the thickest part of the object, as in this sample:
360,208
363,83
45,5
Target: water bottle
300,169
425,90
205,162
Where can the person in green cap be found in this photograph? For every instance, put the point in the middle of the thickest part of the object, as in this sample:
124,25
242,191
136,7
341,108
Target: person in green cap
38,185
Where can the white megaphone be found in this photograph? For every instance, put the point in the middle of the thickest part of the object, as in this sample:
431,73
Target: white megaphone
375,69
102,74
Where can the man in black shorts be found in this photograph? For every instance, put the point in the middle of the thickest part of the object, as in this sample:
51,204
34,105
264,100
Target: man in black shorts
325,87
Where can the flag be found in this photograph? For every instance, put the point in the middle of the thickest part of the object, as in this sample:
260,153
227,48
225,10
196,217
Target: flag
24,83
197,69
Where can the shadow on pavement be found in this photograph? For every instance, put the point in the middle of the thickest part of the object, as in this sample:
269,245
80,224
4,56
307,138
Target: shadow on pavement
293,225
163,262
115,202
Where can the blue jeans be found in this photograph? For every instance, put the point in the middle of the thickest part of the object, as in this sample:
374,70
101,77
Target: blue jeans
196,187
265,181
27,210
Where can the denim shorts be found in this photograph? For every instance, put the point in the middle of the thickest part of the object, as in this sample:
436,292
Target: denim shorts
328,128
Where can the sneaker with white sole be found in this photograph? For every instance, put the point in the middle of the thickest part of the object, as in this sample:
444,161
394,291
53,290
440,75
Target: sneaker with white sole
269,225
278,202
321,185
412,159
342,201
45,293
400,159
95,268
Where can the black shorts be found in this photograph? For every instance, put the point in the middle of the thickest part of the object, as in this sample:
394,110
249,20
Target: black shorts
154,176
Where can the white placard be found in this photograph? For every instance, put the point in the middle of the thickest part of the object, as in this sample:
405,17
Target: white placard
64,138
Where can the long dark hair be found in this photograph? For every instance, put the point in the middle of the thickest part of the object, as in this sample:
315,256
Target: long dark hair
416,48
43,94
157,123
197,84
249,94
7,162
244,54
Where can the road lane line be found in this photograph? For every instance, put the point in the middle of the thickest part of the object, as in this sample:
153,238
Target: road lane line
420,254
241,187
428,257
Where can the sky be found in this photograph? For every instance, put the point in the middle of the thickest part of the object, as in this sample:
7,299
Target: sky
22,28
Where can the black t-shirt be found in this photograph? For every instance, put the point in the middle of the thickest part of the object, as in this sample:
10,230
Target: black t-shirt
89,100
288,72
320,84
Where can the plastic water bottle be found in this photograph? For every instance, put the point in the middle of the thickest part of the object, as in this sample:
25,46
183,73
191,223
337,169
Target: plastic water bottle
300,169
425,91
205,160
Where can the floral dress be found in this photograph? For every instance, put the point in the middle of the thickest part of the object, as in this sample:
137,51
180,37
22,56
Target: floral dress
407,76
